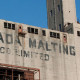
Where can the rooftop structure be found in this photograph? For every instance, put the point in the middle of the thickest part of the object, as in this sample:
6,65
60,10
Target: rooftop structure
60,14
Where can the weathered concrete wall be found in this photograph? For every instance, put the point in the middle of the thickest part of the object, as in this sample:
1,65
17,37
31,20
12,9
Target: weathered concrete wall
69,11
60,12
77,46
55,15
55,59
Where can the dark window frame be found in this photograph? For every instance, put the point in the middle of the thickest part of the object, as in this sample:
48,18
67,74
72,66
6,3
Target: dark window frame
43,32
9,25
32,30
78,33
5,24
55,35
13,26
51,34
58,35
36,31
29,30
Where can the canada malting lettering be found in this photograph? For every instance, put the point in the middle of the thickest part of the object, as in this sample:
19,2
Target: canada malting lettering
55,47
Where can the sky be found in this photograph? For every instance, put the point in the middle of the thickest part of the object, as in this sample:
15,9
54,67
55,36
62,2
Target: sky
31,12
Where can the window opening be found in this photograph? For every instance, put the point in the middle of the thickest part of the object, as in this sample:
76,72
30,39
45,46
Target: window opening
9,26
13,26
60,27
36,31
43,32
29,30
51,12
58,35
54,35
5,25
51,34
32,30
59,8
78,33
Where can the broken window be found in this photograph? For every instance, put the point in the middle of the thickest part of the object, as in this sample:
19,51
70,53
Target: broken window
9,25
29,30
32,30
78,33
43,32
36,31
13,26
5,24
58,35
55,35
51,34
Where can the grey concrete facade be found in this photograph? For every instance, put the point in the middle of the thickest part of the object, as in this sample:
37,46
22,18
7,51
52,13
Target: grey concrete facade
54,52
57,58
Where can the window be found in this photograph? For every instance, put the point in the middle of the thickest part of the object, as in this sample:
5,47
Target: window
58,35
5,25
78,33
55,35
29,30
36,31
43,32
51,13
9,25
32,30
60,27
13,26
59,8
51,34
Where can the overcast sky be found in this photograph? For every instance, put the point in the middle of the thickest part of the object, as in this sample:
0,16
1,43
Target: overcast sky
31,12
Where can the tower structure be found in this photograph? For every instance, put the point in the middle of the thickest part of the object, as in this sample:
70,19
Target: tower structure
60,13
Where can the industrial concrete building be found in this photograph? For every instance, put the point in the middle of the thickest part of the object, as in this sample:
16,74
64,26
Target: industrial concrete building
33,53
